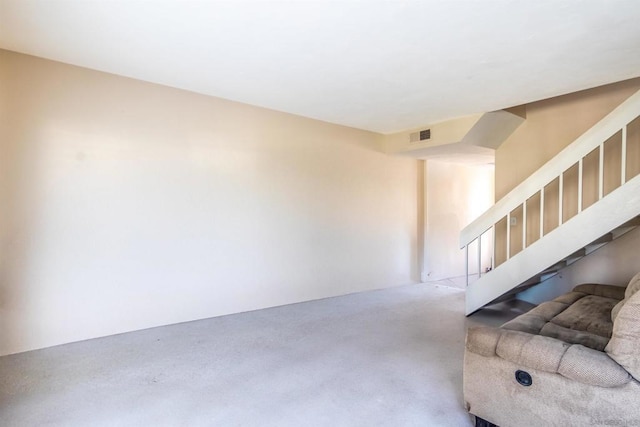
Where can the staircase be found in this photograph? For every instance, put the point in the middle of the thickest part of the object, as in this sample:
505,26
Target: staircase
585,197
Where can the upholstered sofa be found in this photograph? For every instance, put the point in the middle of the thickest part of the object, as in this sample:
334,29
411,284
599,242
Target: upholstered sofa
573,361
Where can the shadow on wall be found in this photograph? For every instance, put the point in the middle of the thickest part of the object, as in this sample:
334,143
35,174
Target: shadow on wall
613,264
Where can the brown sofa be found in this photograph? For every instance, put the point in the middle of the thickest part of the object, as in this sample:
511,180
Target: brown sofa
573,361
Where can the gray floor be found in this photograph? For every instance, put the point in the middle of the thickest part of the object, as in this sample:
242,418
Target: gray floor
382,358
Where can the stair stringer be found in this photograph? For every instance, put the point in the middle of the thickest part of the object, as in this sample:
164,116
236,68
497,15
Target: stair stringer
610,212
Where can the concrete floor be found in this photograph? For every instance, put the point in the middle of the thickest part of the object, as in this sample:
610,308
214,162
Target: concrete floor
383,358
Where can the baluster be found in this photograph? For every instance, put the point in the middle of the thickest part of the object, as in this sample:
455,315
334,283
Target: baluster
542,212
493,237
601,172
480,256
560,198
466,263
524,225
508,235
623,164
580,185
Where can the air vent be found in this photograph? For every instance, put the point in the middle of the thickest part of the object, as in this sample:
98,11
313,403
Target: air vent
422,135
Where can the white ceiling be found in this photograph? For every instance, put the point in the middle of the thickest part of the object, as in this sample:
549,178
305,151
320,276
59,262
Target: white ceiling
379,65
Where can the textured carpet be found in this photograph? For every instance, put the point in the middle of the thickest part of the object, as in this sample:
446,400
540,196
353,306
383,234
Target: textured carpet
382,358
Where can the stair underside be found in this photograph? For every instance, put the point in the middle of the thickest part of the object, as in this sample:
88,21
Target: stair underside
606,220
552,271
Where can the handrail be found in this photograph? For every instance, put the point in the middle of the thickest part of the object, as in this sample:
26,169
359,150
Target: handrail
569,156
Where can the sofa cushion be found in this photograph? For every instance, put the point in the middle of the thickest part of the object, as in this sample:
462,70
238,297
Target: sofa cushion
589,314
570,297
572,336
534,320
528,322
607,291
582,316
624,346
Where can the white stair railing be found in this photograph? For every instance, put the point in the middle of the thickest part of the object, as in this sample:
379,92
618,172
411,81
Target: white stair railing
574,180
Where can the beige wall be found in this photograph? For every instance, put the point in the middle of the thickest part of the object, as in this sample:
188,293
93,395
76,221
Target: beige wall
456,194
127,205
550,126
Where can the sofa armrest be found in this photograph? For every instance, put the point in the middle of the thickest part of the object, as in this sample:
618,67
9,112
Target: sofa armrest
483,340
593,367
534,351
547,354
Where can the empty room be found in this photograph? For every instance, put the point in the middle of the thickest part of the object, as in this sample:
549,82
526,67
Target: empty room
319,213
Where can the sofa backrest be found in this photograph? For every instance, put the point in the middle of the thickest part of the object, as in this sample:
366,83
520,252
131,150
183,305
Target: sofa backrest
624,346
631,289
633,286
